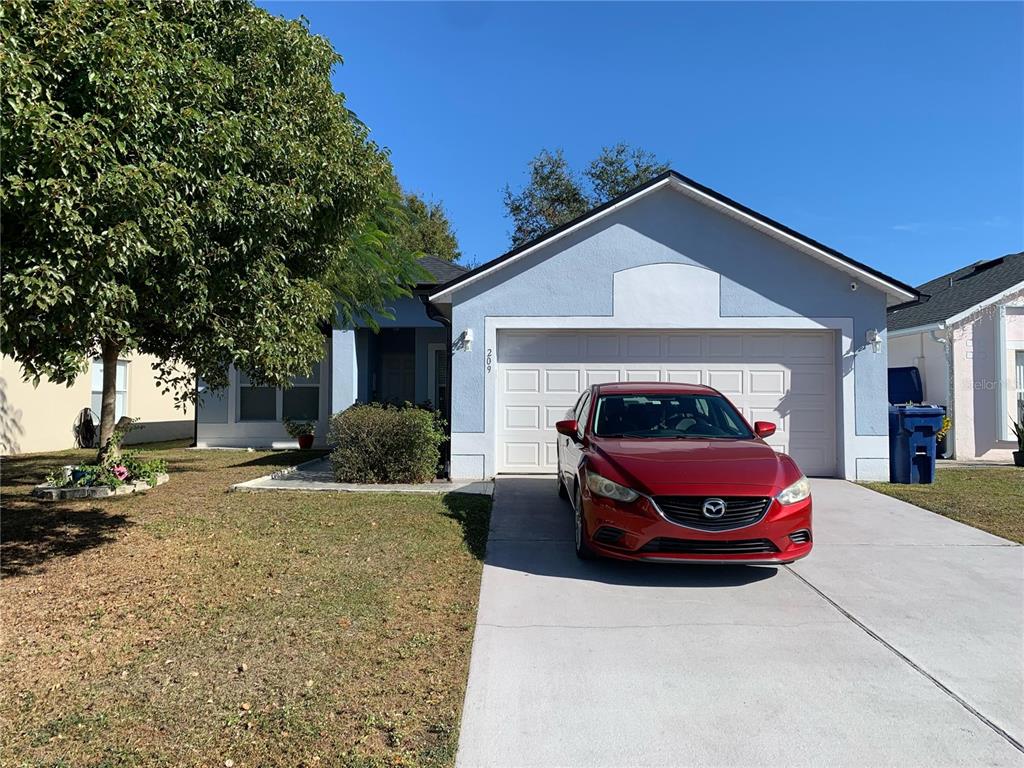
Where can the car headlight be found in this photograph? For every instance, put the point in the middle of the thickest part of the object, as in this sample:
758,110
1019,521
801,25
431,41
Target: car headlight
602,486
798,491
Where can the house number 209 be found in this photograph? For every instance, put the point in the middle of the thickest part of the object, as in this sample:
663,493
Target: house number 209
488,361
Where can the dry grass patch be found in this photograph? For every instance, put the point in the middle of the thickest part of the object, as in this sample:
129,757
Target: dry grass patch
989,498
192,626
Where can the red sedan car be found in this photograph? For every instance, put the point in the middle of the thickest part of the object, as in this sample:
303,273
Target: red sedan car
673,472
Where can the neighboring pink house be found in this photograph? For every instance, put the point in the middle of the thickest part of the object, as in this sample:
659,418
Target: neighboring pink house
966,336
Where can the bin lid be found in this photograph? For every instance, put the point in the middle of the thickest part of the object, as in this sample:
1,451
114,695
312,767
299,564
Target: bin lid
915,417
917,411
905,385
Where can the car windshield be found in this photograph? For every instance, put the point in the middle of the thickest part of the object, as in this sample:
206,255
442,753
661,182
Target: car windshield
668,416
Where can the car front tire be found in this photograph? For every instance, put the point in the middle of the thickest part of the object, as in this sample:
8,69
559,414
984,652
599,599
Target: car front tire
583,550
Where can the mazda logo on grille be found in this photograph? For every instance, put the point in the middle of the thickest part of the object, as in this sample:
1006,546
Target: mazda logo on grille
713,508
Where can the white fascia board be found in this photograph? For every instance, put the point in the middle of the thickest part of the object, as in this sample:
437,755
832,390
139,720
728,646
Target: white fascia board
897,294
916,329
987,302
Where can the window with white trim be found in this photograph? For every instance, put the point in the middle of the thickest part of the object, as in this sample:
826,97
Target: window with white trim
121,388
256,402
301,401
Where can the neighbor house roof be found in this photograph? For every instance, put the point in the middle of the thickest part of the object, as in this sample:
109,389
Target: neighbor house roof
442,271
948,296
896,290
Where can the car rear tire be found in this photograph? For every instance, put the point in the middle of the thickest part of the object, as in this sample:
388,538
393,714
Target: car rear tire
583,550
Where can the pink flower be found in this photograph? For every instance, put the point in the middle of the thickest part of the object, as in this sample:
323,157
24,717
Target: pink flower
120,472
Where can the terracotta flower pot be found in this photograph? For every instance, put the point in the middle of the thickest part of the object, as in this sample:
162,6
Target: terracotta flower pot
305,442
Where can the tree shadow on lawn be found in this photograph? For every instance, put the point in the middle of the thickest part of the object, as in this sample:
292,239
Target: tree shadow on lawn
473,513
35,532
283,459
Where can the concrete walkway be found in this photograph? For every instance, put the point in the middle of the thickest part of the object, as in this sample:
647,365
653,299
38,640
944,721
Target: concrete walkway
316,475
898,642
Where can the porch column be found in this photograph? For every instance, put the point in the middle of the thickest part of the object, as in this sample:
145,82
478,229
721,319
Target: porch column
344,370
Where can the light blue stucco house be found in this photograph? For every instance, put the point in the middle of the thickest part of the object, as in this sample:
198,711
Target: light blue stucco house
672,282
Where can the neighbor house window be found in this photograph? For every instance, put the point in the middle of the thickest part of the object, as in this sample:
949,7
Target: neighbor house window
121,388
256,402
301,401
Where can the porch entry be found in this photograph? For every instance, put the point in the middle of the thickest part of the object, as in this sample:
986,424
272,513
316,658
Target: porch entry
395,372
403,366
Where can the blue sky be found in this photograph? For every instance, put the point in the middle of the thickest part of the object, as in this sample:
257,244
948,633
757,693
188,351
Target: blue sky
892,132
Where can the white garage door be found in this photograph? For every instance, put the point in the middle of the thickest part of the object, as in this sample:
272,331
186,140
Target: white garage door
785,377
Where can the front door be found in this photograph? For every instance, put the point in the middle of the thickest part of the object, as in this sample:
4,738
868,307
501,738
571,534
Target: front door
398,377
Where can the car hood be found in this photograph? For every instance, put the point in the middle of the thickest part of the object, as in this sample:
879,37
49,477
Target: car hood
680,466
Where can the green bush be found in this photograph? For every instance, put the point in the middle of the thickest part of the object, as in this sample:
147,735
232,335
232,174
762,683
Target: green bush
385,444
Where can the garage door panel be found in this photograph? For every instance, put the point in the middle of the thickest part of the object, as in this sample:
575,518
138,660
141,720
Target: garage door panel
725,345
787,378
810,420
601,376
525,456
555,413
807,382
600,347
643,374
727,382
551,453
764,346
805,347
682,346
766,414
522,417
522,380
562,381
643,347
684,376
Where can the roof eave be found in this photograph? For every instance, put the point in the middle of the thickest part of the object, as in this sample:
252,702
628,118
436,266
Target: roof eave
896,292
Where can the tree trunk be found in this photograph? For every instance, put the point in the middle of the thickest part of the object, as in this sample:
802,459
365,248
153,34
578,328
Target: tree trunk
108,404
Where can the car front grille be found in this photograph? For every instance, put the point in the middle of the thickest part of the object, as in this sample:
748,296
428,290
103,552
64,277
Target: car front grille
740,511
697,547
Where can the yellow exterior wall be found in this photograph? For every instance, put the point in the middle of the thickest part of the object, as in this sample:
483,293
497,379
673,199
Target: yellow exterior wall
34,419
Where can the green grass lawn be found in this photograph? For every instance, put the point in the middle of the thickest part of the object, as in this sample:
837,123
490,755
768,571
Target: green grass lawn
990,498
193,626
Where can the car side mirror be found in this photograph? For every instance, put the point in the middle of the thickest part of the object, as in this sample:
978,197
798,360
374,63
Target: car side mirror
764,428
566,427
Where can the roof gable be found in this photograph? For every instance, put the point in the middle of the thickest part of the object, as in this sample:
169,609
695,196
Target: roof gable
897,291
951,294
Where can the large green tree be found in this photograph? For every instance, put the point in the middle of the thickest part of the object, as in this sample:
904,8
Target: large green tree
424,227
556,193
181,179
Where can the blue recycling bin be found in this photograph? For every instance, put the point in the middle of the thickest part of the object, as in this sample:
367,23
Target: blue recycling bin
912,430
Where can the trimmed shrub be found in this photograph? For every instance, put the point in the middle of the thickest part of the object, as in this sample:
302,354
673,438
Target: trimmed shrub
385,444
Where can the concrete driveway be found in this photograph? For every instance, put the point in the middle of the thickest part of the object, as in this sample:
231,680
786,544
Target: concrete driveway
899,641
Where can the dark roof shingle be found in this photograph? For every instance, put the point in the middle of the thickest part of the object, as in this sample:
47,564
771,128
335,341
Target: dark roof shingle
951,294
443,271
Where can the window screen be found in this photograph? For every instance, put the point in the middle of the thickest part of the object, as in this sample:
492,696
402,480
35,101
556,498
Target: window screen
301,401
255,402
